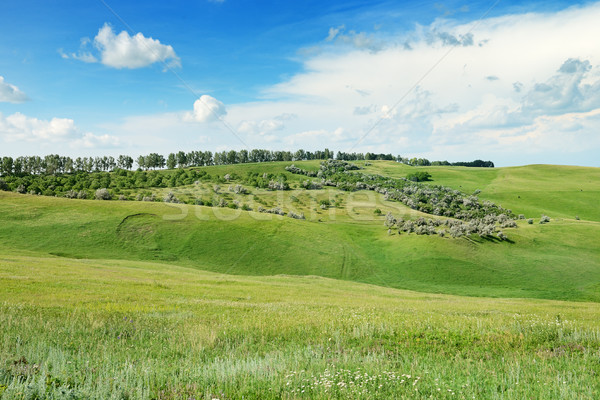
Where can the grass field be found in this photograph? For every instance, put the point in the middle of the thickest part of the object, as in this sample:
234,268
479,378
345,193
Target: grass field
123,299
119,329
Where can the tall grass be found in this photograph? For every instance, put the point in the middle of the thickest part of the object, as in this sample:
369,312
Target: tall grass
114,329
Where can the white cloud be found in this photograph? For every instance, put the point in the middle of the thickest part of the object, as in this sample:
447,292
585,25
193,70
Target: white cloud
21,128
206,109
124,51
90,141
512,87
10,93
358,40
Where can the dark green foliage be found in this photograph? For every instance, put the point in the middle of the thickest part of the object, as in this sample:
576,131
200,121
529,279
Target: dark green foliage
419,176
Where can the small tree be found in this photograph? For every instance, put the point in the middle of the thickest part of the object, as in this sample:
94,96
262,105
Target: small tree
103,194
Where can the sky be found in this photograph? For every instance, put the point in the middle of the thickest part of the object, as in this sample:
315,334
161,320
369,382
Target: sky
513,82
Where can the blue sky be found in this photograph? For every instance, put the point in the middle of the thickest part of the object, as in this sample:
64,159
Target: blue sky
516,83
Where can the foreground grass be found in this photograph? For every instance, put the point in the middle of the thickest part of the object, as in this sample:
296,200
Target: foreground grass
131,330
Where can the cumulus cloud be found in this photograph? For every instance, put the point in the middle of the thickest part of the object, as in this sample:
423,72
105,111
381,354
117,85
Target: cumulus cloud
124,51
512,86
21,128
564,92
10,93
206,109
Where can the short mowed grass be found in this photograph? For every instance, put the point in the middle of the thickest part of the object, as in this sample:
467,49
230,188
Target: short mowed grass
142,300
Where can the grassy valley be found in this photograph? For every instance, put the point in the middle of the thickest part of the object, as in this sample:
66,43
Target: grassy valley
146,299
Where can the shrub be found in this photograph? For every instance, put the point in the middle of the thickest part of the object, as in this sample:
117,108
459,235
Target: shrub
544,219
82,194
577,217
170,198
530,221
122,197
420,176
292,214
277,185
3,185
521,216
21,189
221,203
246,207
237,189
103,194
377,211
71,194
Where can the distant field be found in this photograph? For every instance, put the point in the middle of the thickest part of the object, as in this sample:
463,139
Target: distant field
148,300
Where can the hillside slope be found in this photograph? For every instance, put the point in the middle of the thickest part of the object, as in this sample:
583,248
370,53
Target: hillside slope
559,260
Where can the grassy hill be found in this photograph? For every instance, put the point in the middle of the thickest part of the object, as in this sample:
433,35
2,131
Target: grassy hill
149,300
559,260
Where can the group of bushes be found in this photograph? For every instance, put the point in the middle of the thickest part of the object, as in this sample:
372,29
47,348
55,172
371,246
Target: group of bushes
430,199
485,227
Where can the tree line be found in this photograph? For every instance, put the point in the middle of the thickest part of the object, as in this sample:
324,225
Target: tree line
55,164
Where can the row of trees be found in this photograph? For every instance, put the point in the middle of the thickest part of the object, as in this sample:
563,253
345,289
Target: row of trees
423,162
55,164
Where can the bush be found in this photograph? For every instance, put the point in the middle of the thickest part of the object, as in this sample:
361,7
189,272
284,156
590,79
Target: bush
71,194
4,185
103,194
521,216
292,214
277,185
577,217
377,211
170,198
420,176
530,221
545,219
82,194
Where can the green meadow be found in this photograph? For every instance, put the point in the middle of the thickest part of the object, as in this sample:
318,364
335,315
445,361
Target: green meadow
149,300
